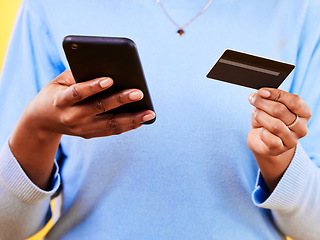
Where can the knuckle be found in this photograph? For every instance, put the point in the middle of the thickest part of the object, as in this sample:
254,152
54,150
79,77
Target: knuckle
287,134
117,131
75,92
135,120
303,132
92,88
121,98
99,106
290,140
67,120
111,123
256,114
257,100
274,152
279,111
278,96
76,130
296,102
274,146
276,128
294,143
66,77
58,101
309,114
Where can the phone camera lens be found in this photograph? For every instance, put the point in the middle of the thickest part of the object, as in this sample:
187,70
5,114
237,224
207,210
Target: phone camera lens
74,46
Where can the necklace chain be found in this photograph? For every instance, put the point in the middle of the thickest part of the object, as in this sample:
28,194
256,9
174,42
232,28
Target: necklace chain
181,31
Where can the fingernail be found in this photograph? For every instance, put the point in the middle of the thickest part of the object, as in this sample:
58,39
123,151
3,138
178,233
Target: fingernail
264,93
251,95
260,132
106,82
135,95
147,117
254,112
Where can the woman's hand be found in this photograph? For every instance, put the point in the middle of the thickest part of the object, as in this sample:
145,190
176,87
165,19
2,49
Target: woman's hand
279,119
59,109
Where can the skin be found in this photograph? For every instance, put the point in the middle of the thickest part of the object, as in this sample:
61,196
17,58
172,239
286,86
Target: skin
272,142
46,119
36,137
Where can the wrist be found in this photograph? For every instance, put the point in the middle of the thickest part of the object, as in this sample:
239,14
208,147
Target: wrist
35,149
272,168
37,127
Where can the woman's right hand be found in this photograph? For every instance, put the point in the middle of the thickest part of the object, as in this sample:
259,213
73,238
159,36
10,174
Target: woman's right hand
59,109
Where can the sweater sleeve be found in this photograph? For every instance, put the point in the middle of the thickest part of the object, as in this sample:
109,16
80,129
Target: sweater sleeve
22,203
294,203
32,60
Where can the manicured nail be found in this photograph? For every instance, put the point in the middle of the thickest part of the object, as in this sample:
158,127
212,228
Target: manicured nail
264,93
106,82
251,96
260,132
135,95
254,112
147,117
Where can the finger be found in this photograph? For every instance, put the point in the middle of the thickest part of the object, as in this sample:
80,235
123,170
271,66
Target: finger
114,122
111,124
293,102
107,132
254,122
77,92
276,127
273,108
300,128
66,78
103,104
273,143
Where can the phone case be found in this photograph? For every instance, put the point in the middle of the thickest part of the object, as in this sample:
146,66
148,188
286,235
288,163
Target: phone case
92,57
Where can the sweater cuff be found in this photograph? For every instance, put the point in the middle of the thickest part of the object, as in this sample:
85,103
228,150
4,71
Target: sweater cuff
14,179
290,188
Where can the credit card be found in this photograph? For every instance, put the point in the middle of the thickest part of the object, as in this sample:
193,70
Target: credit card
249,70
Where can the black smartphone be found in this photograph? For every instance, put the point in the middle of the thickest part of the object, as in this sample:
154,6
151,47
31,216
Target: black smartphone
92,57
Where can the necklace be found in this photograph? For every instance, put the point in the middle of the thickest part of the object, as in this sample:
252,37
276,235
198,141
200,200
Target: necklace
181,31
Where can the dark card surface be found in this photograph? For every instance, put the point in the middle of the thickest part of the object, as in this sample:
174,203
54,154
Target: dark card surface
250,71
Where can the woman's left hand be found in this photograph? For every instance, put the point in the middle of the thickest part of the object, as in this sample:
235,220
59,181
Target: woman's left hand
279,119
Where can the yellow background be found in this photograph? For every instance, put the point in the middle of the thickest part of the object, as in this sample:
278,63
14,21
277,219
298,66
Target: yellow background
8,9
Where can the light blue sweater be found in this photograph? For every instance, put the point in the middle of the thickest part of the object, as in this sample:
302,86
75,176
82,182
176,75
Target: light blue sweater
190,175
